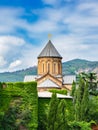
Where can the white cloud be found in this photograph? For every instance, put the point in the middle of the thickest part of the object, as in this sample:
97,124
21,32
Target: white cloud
11,40
17,52
65,19
2,61
52,19
10,45
71,47
14,64
9,18
10,49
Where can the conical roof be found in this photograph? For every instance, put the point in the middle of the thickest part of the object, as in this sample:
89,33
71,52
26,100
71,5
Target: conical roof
49,51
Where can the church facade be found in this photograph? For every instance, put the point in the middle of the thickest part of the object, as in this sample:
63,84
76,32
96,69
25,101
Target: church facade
50,71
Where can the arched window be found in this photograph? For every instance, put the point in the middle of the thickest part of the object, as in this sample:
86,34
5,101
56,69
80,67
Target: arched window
43,67
48,67
59,68
54,68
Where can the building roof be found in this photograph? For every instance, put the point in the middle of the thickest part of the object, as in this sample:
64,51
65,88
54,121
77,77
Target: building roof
48,83
68,79
29,78
47,94
49,51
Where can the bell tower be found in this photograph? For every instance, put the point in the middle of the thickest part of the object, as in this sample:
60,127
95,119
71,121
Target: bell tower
49,61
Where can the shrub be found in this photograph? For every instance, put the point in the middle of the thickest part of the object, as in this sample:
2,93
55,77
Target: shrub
63,91
80,125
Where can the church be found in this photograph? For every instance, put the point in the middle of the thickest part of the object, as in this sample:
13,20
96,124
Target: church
50,71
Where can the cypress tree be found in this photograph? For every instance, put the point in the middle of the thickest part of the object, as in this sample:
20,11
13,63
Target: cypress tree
78,98
61,121
0,86
51,118
81,100
84,103
73,88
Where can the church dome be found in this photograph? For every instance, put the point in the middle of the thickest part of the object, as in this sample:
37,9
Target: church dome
49,51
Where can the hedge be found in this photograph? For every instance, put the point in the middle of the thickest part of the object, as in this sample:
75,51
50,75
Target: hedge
63,91
19,106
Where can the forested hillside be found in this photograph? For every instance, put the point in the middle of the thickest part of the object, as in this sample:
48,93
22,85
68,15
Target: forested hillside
17,75
78,65
69,67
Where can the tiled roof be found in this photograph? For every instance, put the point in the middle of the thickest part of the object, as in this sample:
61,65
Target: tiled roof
49,51
29,78
68,79
48,83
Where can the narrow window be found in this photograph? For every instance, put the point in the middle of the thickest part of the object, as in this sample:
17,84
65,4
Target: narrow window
43,68
48,67
59,68
54,68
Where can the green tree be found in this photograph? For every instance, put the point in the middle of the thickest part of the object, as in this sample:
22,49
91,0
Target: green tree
57,119
78,99
92,82
73,88
81,100
61,121
51,118
0,85
93,112
85,104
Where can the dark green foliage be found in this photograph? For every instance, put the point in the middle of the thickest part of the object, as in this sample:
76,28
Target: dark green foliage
80,125
10,118
95,93
43,108
73,88
69,109
19,106
20,84
81,101
85,104
57,118
78,98
0,85
32,105
93,112
92,82
61,118
51,119
59,91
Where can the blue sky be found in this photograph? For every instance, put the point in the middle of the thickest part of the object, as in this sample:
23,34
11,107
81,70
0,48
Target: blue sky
25,25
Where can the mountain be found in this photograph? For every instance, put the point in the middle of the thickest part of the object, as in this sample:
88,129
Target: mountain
68,68
17,75
78,65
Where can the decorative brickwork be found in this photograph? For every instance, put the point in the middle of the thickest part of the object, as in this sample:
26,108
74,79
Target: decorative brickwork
49,65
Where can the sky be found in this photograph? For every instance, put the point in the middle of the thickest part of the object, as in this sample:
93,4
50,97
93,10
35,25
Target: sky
25,25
